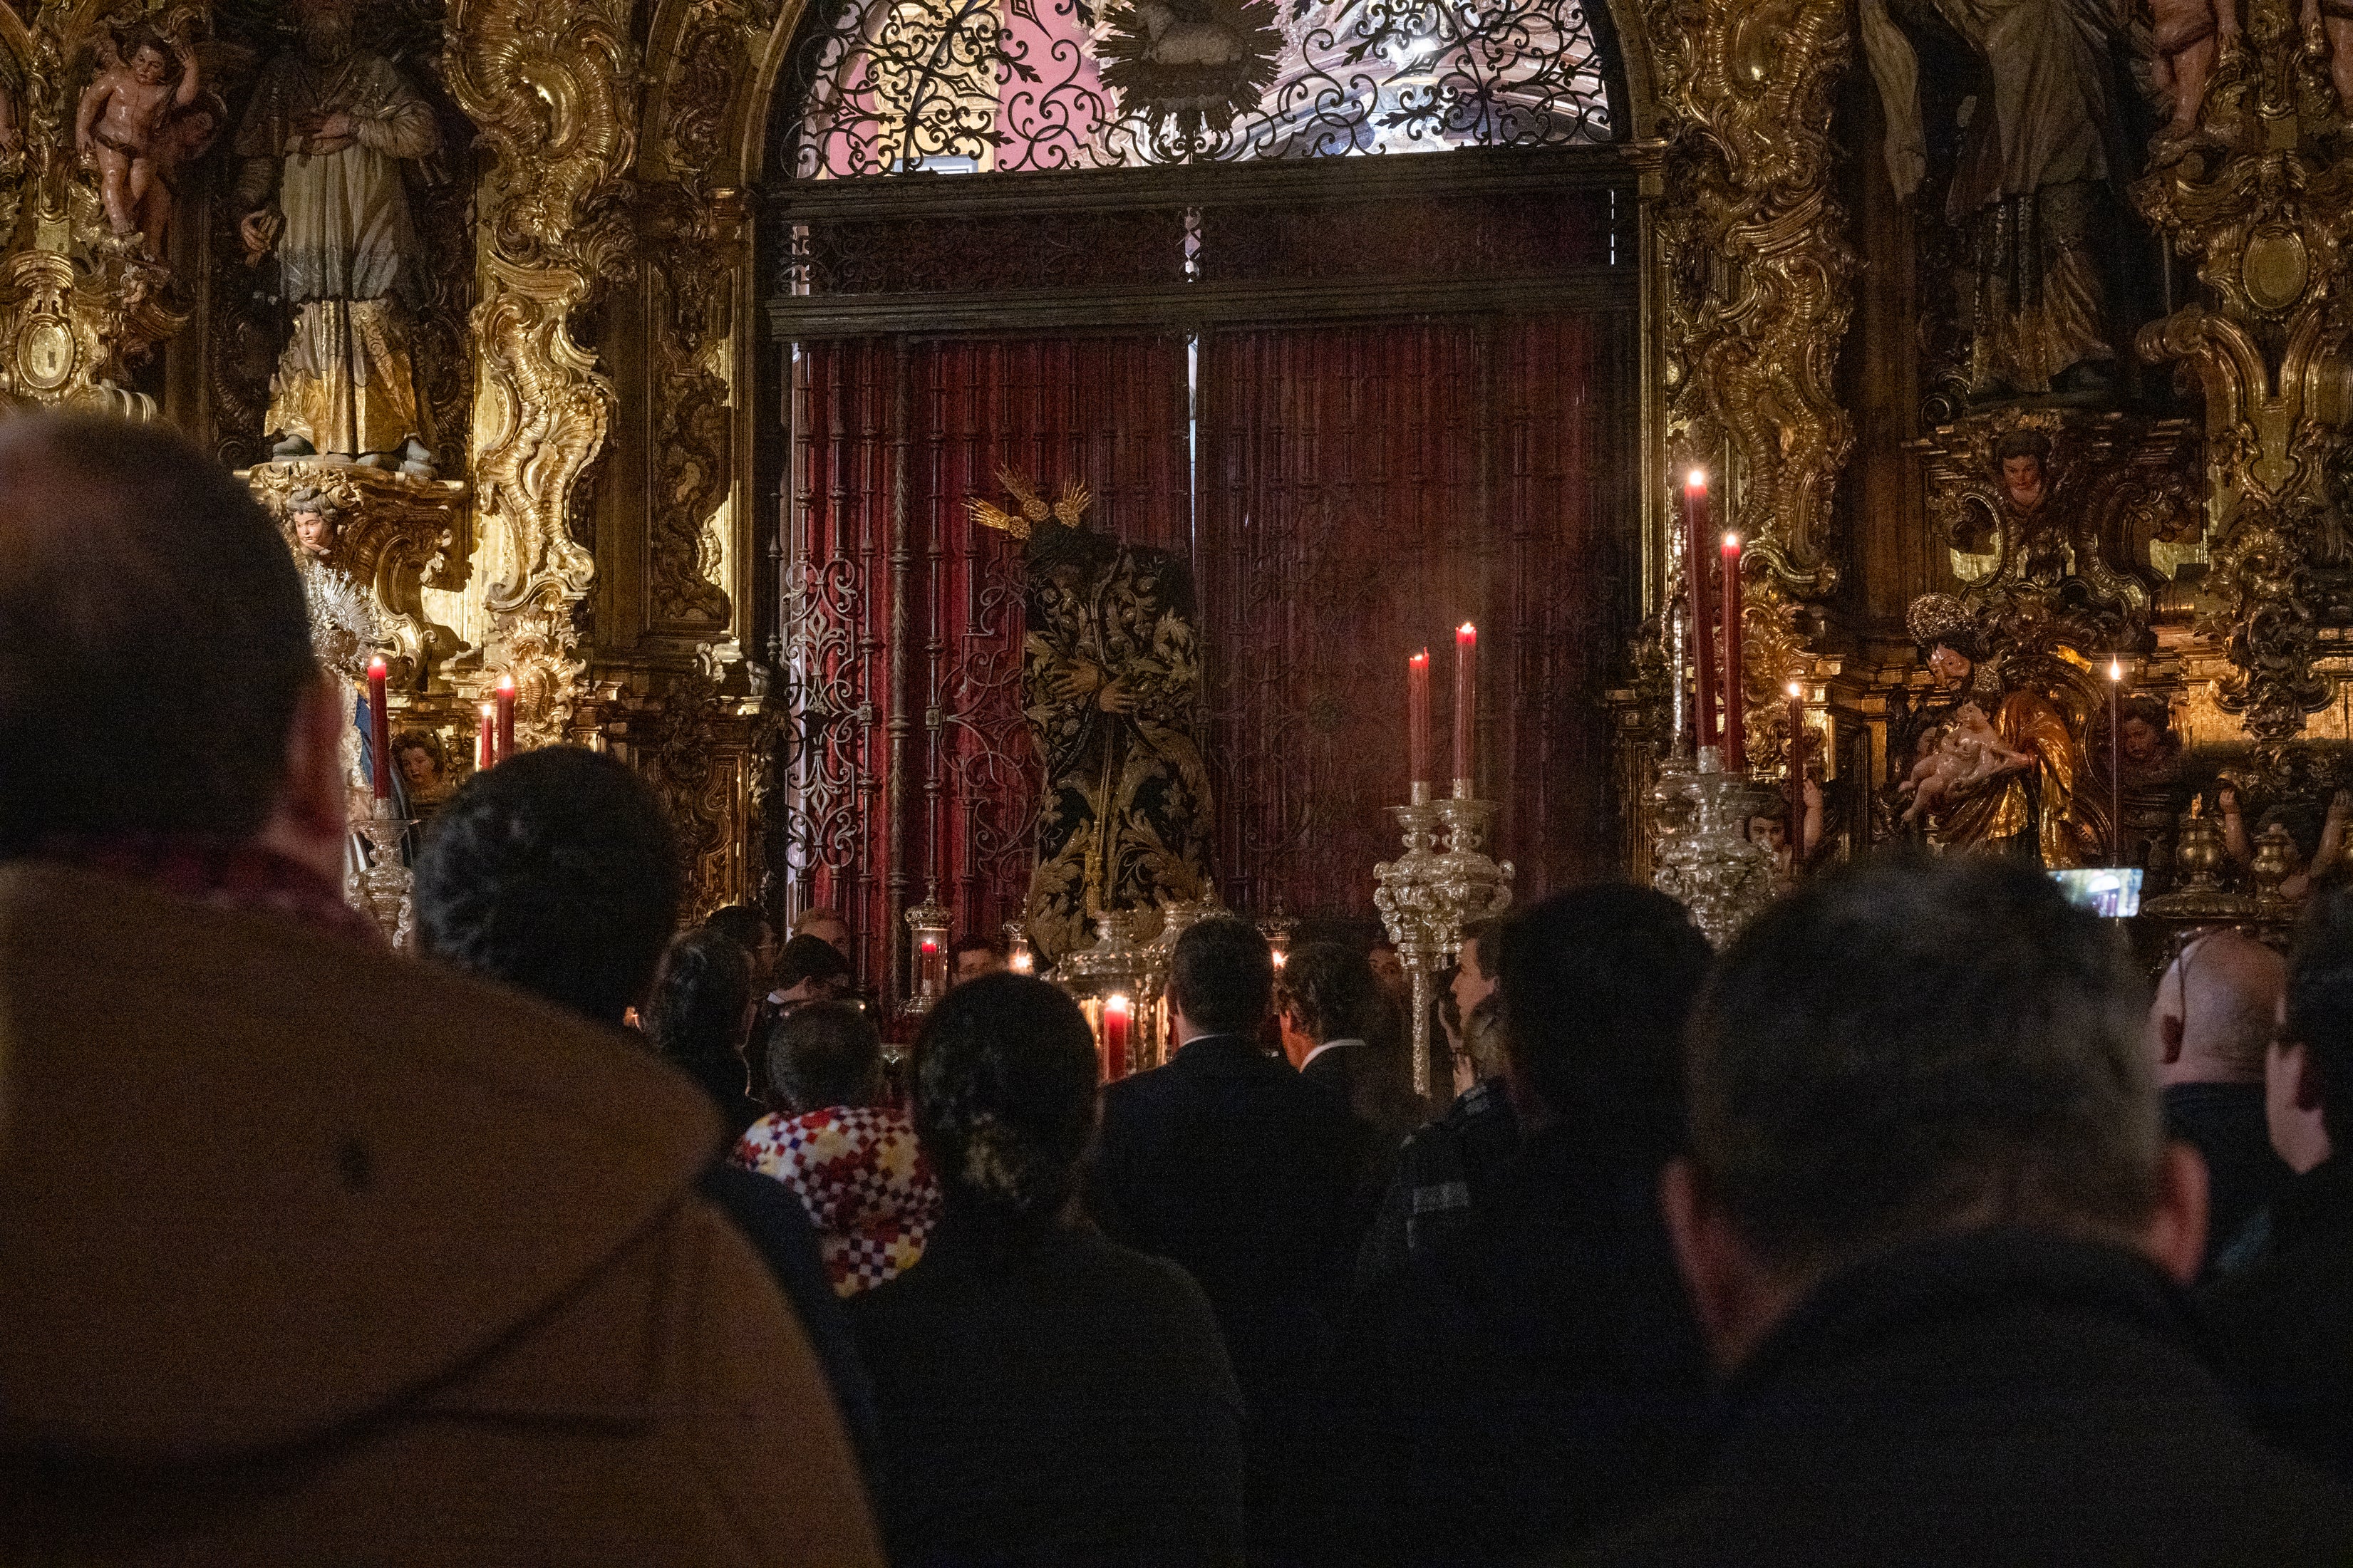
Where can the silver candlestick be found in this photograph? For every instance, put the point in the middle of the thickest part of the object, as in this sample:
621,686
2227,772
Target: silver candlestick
1706,861
1428,895
386,886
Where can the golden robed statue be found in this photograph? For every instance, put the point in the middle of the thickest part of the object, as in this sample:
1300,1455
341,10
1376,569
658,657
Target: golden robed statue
1994,765
322,187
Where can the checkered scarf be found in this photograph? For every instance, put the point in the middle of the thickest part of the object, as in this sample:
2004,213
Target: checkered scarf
866,1186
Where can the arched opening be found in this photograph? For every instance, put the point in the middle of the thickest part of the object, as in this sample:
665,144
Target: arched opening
1365,394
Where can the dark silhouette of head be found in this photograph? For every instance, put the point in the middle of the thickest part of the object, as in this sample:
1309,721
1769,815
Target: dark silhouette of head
1221,976
556,873
1005,1098
1597,983
134,570
822,1054
700,1011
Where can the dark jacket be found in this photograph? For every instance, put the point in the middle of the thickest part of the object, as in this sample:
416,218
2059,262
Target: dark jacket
1999,1397
1378,1097
311,1253
1052,1398
770,1216
2283,1330
2226,1125
1226,1161
1538,1376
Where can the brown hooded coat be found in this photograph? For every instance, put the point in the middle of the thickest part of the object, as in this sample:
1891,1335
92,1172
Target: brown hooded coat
311,1254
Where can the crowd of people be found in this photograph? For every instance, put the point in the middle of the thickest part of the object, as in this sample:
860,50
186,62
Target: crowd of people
1911,1228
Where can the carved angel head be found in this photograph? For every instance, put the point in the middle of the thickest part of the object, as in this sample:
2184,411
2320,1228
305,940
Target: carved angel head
2024,457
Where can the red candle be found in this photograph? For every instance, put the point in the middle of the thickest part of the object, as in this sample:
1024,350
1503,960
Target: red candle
506,717
486,739
1695,532
1466,702
379,730
1116,1038
1736,748
1416,717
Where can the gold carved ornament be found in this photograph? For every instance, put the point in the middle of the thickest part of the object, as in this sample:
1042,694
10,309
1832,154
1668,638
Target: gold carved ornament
548,82
1759,291
81,306
2257,197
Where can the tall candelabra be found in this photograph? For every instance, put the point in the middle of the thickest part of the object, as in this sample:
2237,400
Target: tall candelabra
383,888
1429,894
1706,861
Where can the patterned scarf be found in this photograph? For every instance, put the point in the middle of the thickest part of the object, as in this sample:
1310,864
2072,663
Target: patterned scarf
866,1186
221,874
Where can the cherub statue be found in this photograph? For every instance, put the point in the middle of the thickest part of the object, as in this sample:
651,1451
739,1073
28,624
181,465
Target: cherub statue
130,125
2186,38
1968,751
317,521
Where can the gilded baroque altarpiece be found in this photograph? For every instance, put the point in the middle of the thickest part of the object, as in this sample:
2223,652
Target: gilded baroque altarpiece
544,461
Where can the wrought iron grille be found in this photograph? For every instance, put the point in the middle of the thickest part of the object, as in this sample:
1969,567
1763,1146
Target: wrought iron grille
902,86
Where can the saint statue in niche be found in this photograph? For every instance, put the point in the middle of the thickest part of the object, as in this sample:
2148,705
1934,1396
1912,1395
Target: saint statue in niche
2012,779
2042,155
322,188
1112,681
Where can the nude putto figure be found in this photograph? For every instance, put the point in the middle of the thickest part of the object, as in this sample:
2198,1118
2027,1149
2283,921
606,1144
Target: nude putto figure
125,124
1970,751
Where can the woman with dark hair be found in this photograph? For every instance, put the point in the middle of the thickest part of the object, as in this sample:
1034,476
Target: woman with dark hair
700,1015
1047,1397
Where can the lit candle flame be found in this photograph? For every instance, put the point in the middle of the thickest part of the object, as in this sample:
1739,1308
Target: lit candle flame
506,685
1732,541
1117,1004
2115,669
1465,632
489,709
1698,480
1796,691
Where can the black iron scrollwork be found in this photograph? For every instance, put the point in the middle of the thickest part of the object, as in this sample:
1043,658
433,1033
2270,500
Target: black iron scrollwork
904,86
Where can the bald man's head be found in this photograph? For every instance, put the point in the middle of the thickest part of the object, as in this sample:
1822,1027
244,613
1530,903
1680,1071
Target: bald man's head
2215,1011
153,643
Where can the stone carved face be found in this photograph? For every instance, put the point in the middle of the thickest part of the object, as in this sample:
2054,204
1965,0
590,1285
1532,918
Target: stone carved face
2143,743
149,65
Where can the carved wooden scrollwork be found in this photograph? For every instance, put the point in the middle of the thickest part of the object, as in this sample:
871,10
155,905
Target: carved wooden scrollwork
1759,265
550,84
2258,198
392,533
81,308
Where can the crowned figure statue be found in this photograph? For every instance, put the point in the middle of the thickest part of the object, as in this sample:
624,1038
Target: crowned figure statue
1111,682
1995,762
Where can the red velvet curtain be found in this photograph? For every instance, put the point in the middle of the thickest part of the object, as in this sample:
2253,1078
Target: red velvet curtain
1359,491
926,424
1365,491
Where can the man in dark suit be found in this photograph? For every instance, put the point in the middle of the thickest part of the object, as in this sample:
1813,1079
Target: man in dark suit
2279,1329
1225,1161
1326,1001
1935,1234
2215,1009
1535,1376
